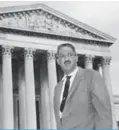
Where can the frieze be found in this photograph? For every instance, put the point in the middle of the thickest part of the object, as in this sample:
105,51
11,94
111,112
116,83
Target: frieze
39,20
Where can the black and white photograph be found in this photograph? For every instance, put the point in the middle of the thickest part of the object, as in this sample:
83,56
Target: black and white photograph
59,65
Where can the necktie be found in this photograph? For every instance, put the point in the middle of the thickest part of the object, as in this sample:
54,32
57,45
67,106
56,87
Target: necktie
65,93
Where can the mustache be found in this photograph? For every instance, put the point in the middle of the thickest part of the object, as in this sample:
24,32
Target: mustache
67,61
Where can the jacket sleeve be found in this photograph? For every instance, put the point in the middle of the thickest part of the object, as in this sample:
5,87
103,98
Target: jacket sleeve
101,102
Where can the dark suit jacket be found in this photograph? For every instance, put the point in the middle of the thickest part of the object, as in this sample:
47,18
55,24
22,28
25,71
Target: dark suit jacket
88,103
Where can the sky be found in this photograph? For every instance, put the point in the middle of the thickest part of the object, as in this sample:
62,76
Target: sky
102,15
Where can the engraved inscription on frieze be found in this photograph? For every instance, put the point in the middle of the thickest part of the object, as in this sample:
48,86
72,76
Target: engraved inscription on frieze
39,20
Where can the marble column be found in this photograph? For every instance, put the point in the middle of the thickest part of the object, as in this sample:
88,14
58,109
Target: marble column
52,80
30,90
1,99
8,118
89,61
45,120
107,79
22,103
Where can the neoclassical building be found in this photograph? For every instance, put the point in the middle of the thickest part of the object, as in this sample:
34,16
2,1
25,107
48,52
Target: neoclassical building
29,36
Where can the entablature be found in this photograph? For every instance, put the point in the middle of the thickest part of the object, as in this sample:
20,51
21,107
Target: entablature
4,32
46,43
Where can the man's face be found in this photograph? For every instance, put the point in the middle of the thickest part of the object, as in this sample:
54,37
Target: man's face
67,59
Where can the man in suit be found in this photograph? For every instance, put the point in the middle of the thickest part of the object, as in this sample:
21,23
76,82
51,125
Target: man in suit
81,99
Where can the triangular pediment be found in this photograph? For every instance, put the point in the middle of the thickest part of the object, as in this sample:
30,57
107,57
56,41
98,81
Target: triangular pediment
41,18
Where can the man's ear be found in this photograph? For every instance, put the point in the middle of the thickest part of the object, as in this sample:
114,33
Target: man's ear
57,60
76,58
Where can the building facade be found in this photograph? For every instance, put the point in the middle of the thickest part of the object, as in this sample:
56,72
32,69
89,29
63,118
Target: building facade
29,36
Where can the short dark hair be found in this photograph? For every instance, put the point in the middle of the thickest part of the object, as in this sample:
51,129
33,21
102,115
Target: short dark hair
65,45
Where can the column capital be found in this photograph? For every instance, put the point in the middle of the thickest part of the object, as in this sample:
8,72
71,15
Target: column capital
89,58
106,60
7,50
50,55
29,52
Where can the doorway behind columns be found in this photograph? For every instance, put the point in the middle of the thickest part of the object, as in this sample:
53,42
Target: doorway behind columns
18,67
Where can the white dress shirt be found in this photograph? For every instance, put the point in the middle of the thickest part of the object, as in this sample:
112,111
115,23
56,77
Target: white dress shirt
72,74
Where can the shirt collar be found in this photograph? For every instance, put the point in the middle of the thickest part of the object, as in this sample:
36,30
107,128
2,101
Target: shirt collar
71,74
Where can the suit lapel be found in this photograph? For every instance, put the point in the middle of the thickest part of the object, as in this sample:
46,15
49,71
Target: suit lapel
75,83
